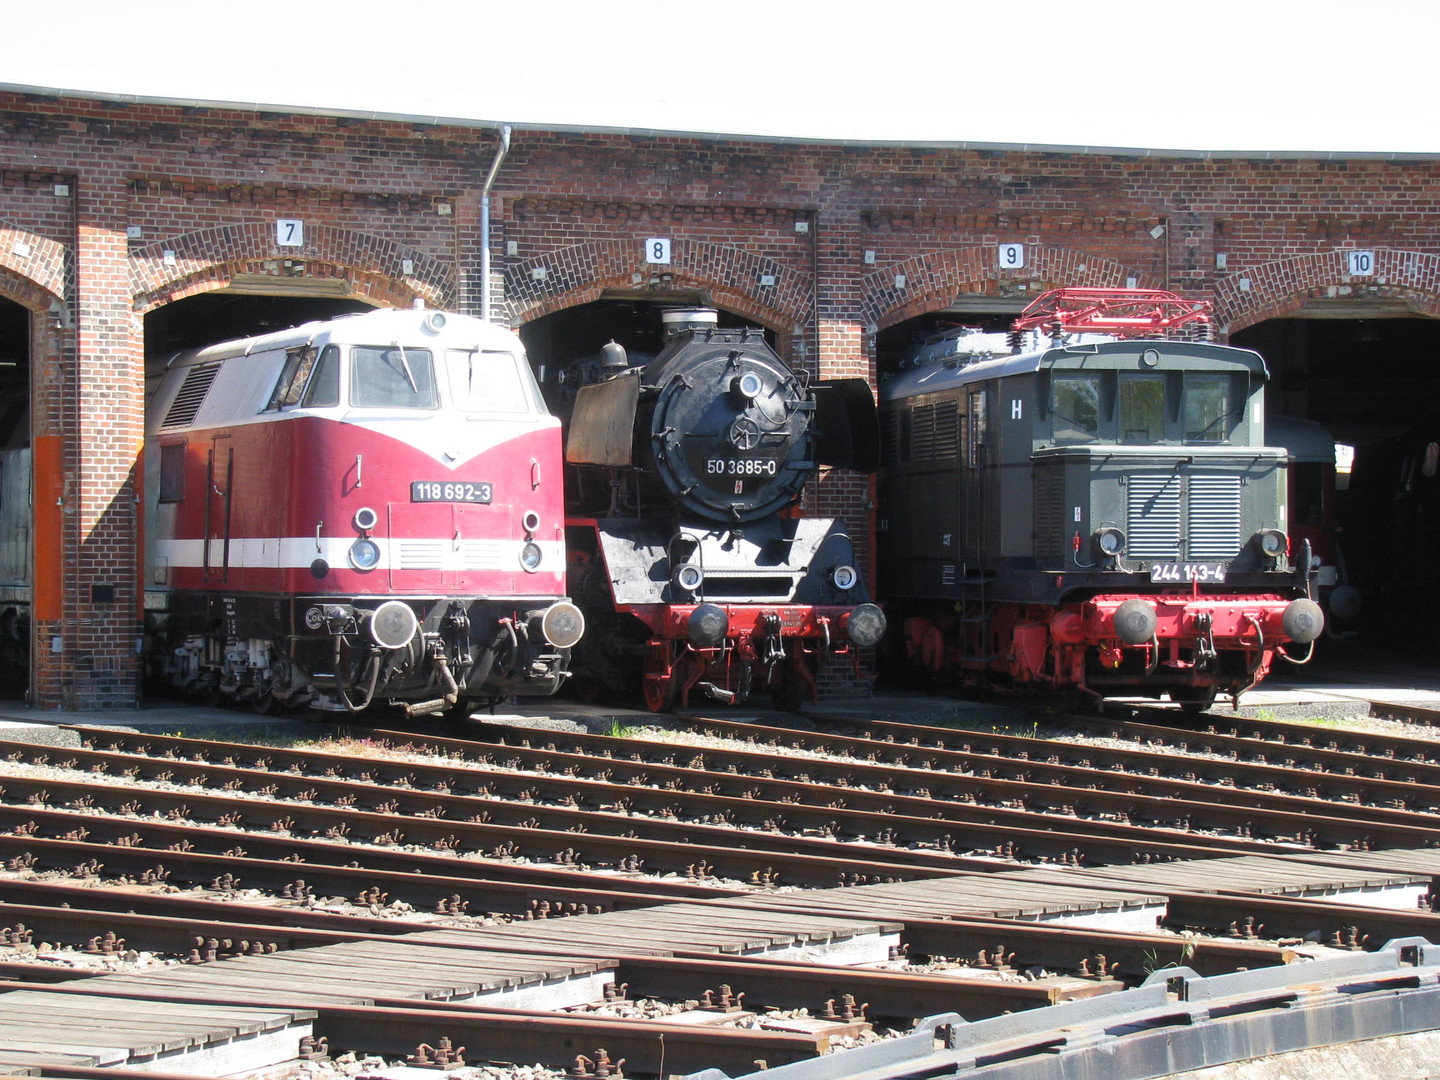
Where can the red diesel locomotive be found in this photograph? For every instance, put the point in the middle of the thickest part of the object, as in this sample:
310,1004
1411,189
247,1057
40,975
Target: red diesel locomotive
357,512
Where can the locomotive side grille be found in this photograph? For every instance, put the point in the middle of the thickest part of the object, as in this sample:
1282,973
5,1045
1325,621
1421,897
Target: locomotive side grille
947,431
1153,508
421,554
890,438
935,432
481,554
1214,517
190,396
1049,498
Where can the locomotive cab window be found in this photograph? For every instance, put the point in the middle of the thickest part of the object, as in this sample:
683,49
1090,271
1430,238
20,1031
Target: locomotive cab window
392,377
1142,408
486,381
172,472
1075,407
298,363
324,387
1207,410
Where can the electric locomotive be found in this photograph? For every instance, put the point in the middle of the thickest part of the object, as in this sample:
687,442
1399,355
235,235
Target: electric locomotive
357,512
687,553
1099,514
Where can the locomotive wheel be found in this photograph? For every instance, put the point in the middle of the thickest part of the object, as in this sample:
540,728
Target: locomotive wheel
662,693
1193,699
794,693
460,711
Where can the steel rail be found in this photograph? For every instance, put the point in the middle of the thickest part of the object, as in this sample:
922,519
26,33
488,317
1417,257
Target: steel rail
703,850
120,843
900,744
1344,925
1054,946
1004,830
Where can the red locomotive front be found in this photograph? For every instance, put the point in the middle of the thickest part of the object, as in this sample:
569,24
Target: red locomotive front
358,511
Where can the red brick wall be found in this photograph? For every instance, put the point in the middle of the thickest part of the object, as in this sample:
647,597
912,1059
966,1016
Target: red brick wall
775,232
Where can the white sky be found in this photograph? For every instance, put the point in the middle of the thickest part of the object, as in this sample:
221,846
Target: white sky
1219,75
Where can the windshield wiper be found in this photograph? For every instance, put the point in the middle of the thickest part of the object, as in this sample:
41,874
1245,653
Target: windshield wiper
405,364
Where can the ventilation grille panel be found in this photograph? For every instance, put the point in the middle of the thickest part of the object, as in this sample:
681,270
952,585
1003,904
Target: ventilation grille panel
1214,517
1153,507
191,396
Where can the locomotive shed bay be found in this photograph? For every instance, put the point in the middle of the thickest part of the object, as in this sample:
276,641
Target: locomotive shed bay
570,884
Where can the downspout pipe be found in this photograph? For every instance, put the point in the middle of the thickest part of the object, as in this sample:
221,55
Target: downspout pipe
485,221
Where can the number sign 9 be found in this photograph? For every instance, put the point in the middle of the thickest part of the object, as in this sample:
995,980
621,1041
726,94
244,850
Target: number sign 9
1362,263
1012,256
657,250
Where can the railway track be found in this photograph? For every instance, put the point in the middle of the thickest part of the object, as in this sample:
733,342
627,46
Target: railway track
214,854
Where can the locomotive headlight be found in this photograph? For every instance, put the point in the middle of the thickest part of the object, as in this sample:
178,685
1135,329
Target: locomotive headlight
365,519
1272,543
393,625
688,577
865,625
435,321
844,577
364,554
1110,542
530,522
530,557
747,386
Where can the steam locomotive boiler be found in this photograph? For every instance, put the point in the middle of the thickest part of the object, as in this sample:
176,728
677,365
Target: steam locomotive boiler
1100,514
688,555
355,513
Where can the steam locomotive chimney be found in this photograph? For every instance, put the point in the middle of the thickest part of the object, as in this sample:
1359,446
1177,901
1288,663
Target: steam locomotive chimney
613,358
678,320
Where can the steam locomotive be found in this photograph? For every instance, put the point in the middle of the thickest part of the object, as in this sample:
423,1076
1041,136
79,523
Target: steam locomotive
1097,514
687,554
357,512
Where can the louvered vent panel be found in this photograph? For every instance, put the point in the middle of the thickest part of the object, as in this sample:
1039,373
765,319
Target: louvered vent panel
922,433
1049,502
1214,523
890,438
482,554
947,431
191,396
1153,506
422,554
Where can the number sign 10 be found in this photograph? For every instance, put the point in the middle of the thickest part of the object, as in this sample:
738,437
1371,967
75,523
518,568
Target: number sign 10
1362,263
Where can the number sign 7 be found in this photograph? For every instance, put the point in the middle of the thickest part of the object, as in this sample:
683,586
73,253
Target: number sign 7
289,232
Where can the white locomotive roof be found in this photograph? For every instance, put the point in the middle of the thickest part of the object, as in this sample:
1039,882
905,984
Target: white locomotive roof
378,327
976,357
952,371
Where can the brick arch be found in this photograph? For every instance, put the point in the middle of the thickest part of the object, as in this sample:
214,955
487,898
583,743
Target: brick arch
1280,287
32,268
729,276
936,278
208,259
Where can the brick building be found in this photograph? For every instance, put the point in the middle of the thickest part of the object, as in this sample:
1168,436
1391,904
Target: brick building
129,229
